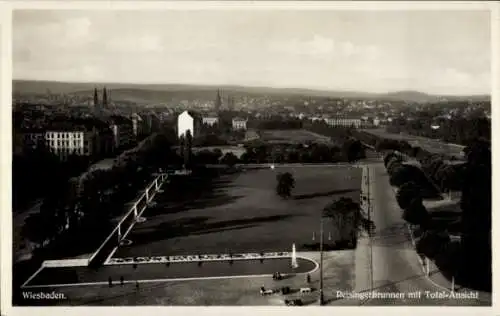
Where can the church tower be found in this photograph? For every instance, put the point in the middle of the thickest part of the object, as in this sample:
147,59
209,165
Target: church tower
96,99
104,98
218,101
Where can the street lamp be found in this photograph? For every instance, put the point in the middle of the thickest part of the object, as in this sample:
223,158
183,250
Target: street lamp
321,294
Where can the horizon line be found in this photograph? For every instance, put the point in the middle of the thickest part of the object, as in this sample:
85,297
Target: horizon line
317,89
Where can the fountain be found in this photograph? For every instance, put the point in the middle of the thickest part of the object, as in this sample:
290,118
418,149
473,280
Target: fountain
295,265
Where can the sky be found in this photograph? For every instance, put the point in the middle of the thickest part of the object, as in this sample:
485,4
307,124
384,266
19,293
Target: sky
438,52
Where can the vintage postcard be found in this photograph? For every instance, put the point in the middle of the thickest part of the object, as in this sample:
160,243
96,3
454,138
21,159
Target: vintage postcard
248,154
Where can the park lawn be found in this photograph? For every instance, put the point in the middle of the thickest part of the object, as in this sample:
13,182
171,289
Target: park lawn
294,136
239,212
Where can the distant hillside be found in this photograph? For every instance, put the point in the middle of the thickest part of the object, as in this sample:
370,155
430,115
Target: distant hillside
416,96
165,92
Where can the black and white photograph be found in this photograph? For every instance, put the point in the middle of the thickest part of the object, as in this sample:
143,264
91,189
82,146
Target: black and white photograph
255,155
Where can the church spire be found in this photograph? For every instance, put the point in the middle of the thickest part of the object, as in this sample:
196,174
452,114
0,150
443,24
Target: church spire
104,98
96,98
218,101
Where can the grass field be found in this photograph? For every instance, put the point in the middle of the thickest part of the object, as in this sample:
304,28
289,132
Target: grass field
293,136
239,212
432,145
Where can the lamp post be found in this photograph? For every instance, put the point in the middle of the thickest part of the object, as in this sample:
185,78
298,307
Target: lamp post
321,237
321,295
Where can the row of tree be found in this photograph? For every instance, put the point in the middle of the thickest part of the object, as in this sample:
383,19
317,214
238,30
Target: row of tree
473,179
37,171
352,150
409,196
431,242
444,174
458,131
79,211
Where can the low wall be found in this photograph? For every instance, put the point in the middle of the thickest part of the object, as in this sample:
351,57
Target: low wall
126,223
198,258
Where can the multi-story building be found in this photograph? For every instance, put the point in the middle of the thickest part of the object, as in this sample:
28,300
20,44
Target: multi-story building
188,121
210,120
137,126
239,123
342,121
84,137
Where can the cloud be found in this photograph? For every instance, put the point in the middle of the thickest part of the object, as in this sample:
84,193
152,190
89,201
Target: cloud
307,49
317,46
321,47
135,43
449,80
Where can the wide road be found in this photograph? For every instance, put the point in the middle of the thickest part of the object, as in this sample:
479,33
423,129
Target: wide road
395,264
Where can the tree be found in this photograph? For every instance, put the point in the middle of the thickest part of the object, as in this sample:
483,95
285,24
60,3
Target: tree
346,217
182,145
391,157
432,243
229,159
39,228
354,150
416,214
476,210
188,148
392,165
285,184
402,174
407,193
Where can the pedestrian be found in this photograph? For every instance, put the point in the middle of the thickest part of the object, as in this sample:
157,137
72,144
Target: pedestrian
110,282
137,285
121,280
308,278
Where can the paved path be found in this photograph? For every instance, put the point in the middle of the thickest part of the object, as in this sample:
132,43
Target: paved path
156,272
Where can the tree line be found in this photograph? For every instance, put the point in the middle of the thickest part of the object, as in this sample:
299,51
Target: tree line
79,211
473,179
38,171
458,131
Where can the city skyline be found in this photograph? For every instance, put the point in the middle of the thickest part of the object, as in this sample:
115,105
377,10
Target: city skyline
434,52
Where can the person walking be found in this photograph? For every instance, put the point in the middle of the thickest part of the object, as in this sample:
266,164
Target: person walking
121,280
308,278
110,282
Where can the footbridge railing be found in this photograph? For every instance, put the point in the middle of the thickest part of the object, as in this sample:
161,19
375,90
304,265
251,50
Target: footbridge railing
127,222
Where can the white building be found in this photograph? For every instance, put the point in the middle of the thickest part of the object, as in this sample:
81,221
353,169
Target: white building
344,122
65,143
188,120
136,124
239,123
